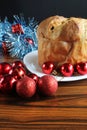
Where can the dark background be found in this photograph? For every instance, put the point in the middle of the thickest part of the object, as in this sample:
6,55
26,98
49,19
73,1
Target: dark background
40,9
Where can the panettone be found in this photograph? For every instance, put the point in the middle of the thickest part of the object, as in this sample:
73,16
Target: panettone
62,40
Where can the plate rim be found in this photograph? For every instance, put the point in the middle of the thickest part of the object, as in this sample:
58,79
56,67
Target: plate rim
58,78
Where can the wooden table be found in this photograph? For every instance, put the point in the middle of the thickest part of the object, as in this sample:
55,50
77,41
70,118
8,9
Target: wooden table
67,110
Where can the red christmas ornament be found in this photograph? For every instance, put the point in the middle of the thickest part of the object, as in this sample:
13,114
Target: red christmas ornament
81,68
48,67
47,85
1,79
19,72
4,48
17,63
5,68
0,68
67,69
17,28
29,40
26,87
33,76
7,83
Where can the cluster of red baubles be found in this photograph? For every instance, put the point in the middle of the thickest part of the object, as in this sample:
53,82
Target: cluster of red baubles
15,77
66,69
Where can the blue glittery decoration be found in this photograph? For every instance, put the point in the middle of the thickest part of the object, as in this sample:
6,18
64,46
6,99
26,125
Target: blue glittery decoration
16,43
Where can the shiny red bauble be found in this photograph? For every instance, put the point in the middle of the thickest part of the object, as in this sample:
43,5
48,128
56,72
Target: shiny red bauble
7,83
47,85
5,50
26,87
82,68
67,69
17,63
48,67
33,76
17,28
1,79
5,68
19,72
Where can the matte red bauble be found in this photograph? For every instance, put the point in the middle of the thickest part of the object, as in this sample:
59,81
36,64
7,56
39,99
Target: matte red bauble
48,67
17,63
7,84
19,72
47,85
33,76
26,87
5,68
67,69
81,68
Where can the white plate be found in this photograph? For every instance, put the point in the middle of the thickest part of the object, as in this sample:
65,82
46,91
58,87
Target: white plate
31,62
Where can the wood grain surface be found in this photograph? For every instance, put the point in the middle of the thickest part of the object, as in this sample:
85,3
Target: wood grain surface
66,110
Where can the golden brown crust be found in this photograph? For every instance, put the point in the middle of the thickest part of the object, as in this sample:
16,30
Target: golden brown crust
70,32
62,40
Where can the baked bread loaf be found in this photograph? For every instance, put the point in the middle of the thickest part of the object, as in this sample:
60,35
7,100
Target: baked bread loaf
62,40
